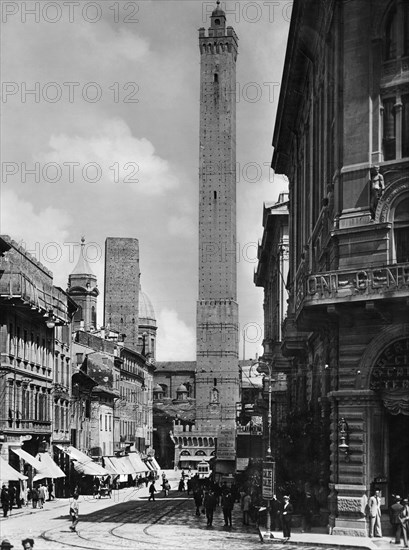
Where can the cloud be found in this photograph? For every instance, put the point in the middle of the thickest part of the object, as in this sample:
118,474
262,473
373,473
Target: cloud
44,233
110,155
181,226
176,341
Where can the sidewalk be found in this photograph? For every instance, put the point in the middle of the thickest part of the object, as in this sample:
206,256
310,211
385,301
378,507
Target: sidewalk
334,541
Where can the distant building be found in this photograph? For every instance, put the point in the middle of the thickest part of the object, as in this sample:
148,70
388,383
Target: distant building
115,407
271,275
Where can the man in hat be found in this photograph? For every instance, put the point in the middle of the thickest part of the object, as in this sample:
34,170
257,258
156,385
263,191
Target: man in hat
5,500
404,520
28,544
286,515
5,545
394,513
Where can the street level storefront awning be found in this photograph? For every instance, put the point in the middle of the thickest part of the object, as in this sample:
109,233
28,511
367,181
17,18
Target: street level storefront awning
155,463
48,468
8,473
83,463
139,466
118,467
109,467
42,463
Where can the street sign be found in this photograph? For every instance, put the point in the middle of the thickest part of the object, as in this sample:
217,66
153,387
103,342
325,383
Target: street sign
269,479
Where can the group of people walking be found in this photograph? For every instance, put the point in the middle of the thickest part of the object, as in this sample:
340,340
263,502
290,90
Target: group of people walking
36,496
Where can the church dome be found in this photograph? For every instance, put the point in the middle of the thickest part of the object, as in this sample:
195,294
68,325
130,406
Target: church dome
146,310
181,388
158,388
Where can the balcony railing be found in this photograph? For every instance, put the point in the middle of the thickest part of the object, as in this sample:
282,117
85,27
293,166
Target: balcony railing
352,285
36,426
45,297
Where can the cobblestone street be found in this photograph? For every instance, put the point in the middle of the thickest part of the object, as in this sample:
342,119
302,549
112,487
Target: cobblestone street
129,521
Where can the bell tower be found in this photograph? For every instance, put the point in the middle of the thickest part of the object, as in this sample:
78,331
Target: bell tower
83,289
217,379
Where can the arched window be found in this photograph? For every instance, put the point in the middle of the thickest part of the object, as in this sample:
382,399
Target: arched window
401,231
391,35
395,101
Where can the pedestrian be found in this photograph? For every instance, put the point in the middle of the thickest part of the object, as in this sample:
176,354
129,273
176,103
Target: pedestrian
74,512
404,519
152,491
286,517
394,518
28,544
5,500
227,507
374,506
181,486
308,512
6,545
198,498
275,510
165,486
34,496
245,508
209,503
12,497
51,490
41,495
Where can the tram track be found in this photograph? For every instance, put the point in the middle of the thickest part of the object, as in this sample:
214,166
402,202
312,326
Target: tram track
89,543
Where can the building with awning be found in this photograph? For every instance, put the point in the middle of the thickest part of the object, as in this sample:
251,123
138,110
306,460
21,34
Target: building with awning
83,463
43,464
8,473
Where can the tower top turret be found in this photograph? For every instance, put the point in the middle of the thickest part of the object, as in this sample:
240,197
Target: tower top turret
218,19
83,267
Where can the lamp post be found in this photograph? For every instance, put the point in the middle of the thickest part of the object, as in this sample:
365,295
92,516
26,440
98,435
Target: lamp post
269,481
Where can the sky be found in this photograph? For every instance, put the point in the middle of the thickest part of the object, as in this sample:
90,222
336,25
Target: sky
100,138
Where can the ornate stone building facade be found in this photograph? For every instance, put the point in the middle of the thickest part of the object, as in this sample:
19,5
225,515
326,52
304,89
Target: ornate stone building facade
35,377
341,137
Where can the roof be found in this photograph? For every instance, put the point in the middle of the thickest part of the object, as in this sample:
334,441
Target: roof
146,310
82,267
176,366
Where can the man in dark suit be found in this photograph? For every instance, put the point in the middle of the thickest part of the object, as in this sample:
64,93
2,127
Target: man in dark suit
286,515
394,513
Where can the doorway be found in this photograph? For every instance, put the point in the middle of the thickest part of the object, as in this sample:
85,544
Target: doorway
398,454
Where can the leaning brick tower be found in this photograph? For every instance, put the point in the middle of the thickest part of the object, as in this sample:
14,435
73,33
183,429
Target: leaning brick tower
217,380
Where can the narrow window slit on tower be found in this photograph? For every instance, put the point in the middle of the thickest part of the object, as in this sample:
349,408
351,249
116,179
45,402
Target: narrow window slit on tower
215,382
216,77
215,194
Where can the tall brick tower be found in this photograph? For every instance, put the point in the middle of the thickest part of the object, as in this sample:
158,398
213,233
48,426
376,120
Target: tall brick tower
121,293
217,381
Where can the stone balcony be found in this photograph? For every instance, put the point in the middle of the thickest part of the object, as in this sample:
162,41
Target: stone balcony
352,285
